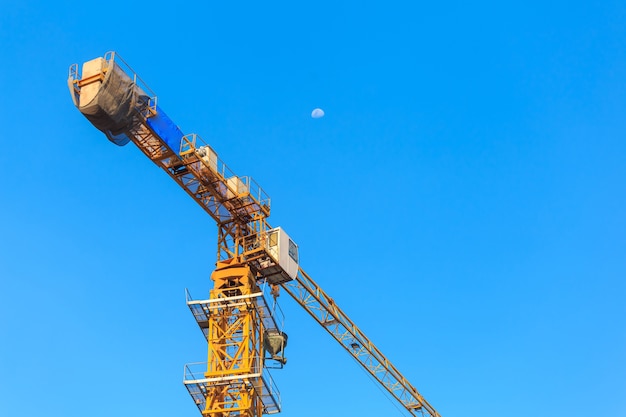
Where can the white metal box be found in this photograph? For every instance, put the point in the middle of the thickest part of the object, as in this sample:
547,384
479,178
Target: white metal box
208,156
236,187
284,251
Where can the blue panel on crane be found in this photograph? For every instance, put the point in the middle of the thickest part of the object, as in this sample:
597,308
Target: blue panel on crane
120,140
166,129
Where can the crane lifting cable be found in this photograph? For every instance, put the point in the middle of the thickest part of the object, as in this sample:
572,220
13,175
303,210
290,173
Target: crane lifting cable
243,329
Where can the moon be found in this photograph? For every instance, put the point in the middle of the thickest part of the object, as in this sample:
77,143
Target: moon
317,113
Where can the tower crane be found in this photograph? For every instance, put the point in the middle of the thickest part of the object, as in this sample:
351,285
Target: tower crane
241,319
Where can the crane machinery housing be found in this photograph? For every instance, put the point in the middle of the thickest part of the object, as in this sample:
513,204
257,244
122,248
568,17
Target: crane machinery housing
241,320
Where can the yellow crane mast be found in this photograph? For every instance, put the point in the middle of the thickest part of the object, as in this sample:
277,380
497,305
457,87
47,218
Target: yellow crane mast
242,327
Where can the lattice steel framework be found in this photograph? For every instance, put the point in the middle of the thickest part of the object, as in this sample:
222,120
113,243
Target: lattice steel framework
234,345
241,215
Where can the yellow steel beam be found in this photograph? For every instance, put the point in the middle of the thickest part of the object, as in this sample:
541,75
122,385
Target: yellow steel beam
234,345
324,310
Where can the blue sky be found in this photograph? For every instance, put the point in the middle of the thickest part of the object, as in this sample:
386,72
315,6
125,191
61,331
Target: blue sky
463,200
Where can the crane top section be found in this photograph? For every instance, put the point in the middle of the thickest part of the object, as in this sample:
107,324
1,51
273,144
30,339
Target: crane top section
117,102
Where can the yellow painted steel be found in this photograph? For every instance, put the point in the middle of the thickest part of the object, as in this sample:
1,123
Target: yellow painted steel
234,345
235,363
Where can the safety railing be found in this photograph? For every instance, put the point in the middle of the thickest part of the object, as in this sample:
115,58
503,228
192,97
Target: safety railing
270,313
195,373
198,385
237,185
112,57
